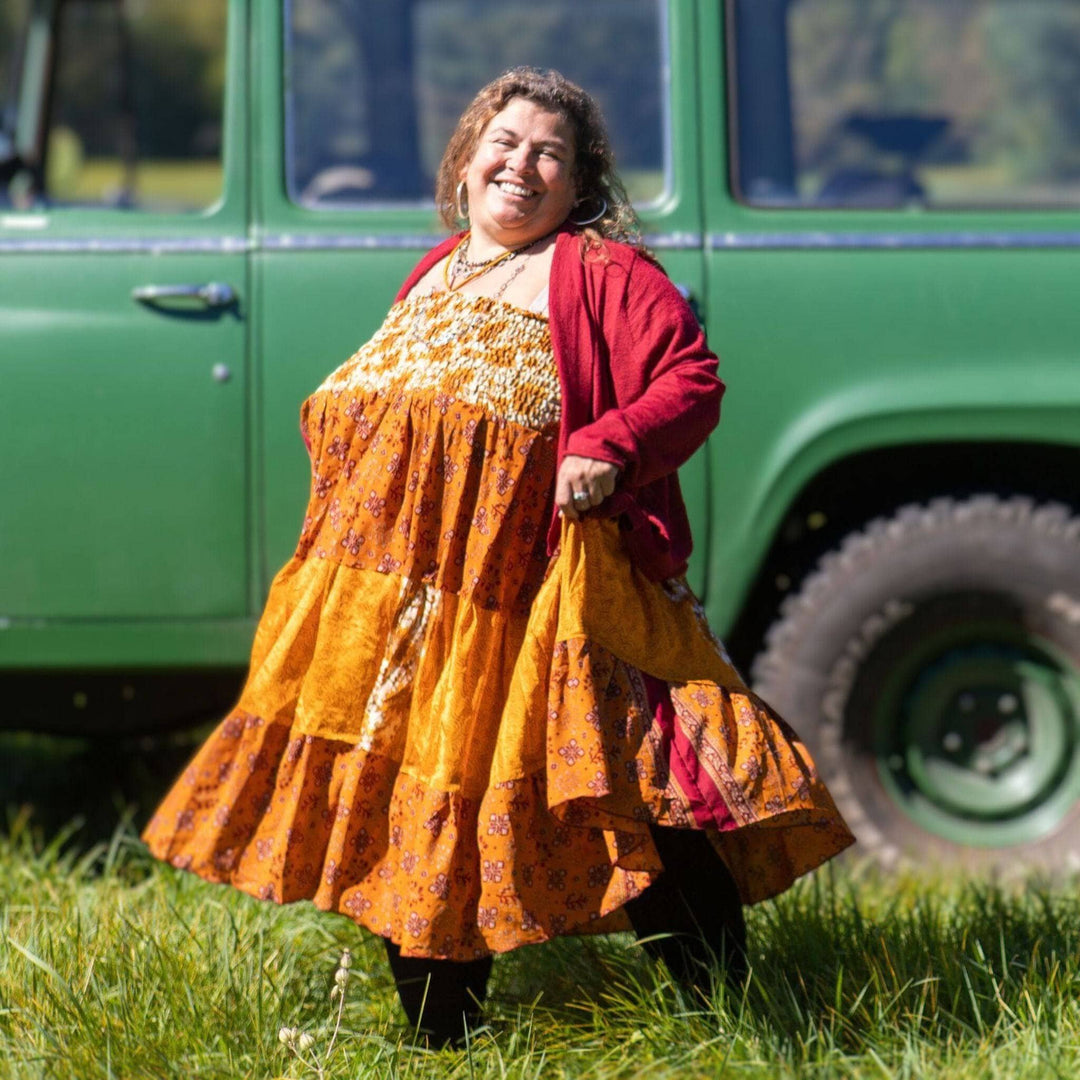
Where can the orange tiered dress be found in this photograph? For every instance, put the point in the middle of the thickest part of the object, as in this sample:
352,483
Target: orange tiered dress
447,736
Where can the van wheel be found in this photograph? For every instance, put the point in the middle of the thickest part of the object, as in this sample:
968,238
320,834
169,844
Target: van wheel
932,664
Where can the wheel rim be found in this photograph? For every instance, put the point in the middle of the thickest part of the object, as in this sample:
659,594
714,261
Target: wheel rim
977,734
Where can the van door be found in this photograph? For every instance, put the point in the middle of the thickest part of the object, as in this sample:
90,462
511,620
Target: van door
370,92
123,318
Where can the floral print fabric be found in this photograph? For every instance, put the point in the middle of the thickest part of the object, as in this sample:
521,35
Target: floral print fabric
446,736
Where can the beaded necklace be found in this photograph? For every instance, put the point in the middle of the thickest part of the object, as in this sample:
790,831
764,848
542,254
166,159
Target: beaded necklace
452,267
457,263
465,263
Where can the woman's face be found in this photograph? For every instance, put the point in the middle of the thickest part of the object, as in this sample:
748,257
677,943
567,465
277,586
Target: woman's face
519,180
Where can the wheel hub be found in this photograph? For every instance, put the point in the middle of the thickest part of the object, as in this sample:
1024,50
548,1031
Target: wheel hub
978,739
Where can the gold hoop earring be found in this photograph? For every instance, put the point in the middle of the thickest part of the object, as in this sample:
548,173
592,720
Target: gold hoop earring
596,217
461,201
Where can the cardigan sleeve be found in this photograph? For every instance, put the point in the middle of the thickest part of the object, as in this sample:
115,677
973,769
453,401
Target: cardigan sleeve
664,376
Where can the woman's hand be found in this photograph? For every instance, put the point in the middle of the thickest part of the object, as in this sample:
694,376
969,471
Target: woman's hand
583,483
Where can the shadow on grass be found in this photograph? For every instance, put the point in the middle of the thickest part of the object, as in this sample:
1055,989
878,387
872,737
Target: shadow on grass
848,964
569,975
90,783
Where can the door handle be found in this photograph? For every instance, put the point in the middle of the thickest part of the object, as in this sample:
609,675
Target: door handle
214,294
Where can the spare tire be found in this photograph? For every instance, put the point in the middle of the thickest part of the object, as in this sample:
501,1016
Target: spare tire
932,664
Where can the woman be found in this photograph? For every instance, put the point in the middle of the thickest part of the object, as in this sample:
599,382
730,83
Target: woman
484,709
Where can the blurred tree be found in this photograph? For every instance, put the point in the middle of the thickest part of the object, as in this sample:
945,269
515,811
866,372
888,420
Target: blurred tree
611,47
1004,74
176,75
380,84
1034,51
12,22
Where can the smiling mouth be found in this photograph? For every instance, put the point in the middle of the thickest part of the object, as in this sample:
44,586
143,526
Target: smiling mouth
514,189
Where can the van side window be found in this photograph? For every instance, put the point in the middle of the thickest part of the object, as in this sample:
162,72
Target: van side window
940,103
136,105
375,87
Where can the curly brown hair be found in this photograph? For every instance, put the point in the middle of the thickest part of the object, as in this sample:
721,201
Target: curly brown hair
594,163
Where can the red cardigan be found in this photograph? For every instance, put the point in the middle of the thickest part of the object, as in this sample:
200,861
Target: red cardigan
639,387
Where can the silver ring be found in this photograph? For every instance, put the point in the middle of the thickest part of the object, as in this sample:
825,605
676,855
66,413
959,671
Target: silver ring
581,497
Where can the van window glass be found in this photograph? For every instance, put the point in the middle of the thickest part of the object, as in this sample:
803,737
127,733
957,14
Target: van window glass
879,103
375,87
137,99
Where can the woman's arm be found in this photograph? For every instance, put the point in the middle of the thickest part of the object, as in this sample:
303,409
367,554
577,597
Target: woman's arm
665,381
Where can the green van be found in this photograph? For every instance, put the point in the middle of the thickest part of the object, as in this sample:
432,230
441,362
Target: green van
204,207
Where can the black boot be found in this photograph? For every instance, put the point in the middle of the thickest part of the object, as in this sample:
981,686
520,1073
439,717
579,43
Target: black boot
695,906
440,997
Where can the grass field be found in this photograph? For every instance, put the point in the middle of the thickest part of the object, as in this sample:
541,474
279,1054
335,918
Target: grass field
114,966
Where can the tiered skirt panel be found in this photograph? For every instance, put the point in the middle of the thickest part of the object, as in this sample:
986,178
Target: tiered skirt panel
448,737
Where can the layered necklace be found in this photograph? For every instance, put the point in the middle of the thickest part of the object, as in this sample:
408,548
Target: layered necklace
458,270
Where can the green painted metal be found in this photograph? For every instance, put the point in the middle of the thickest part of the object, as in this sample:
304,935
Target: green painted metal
830,351
977,735
122,456
126,643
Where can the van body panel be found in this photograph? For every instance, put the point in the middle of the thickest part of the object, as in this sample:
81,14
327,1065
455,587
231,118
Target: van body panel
122,446
851,330
83,644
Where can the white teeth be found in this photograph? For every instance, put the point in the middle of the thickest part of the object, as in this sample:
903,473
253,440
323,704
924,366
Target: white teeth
514,189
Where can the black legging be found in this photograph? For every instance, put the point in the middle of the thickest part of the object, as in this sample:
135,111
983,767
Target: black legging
694,905
440,997
692,910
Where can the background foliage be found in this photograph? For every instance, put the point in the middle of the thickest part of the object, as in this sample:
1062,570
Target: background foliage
1004,74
